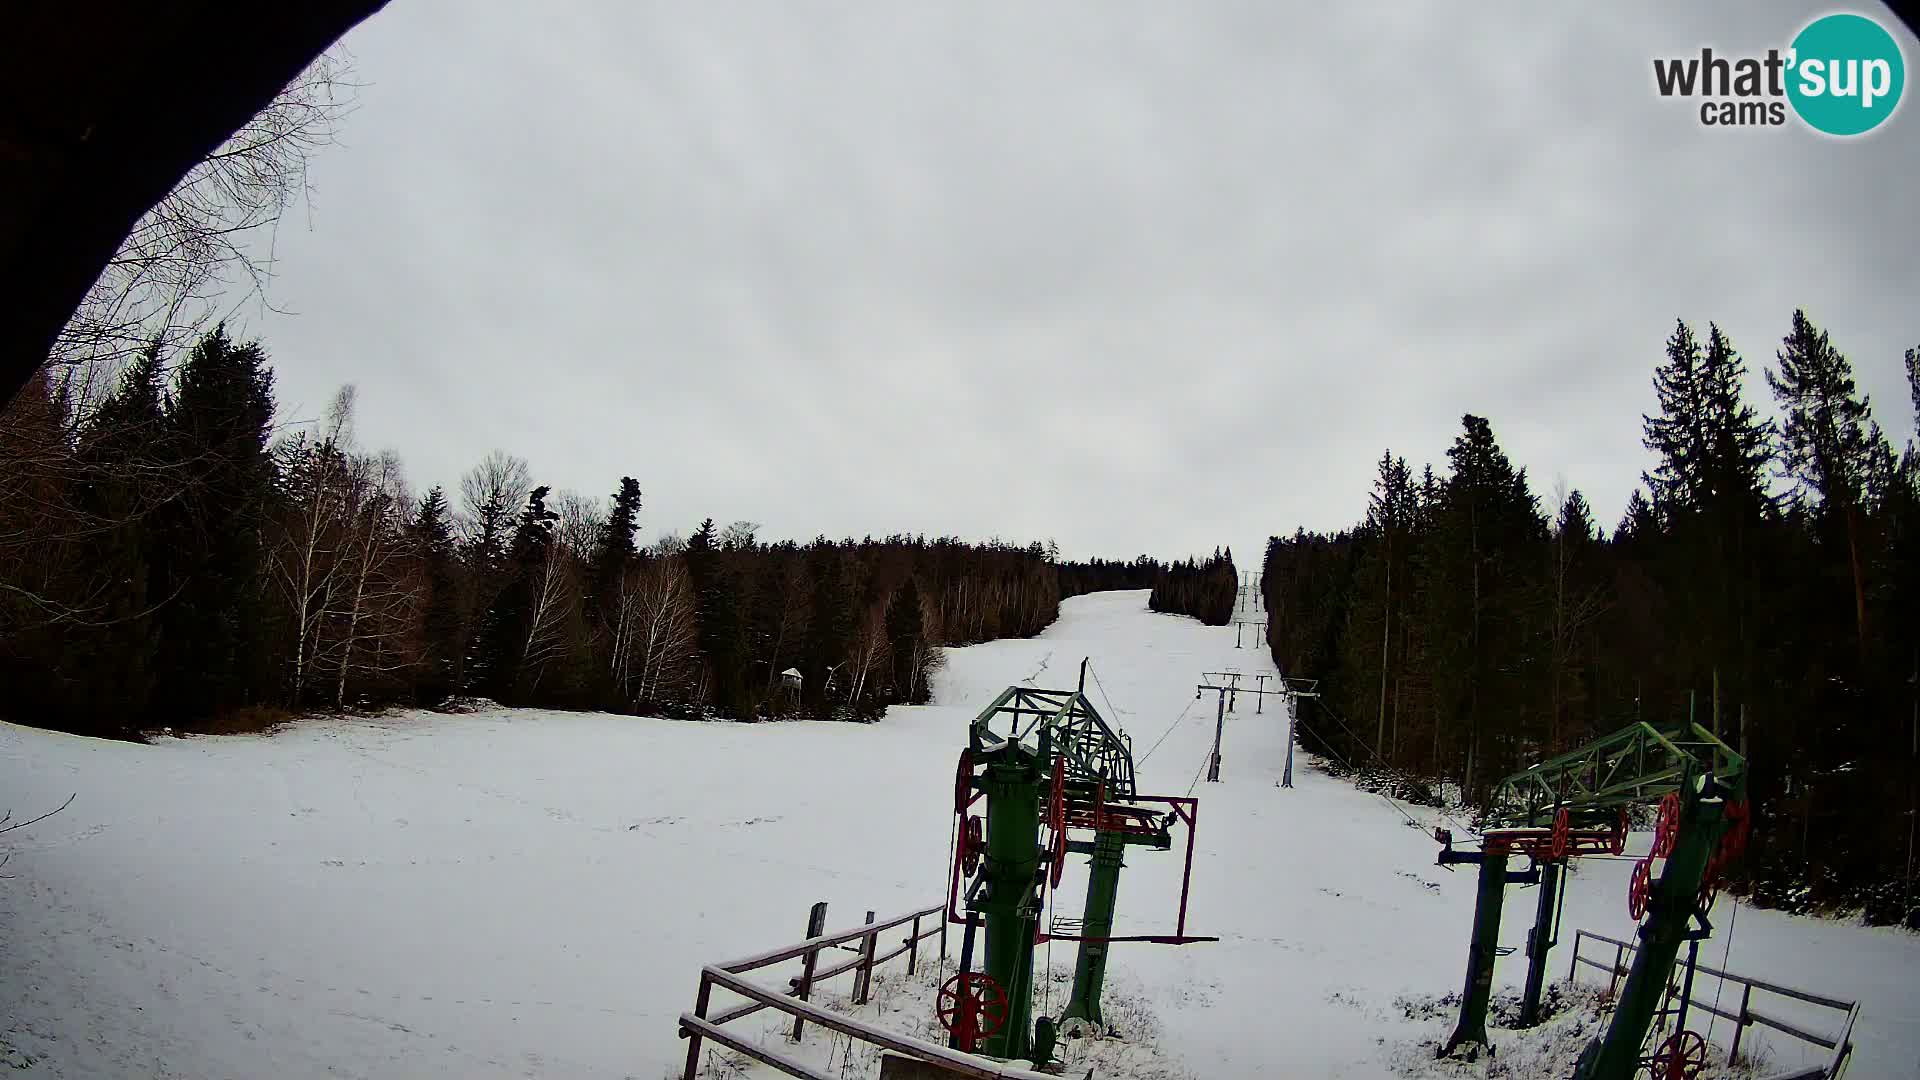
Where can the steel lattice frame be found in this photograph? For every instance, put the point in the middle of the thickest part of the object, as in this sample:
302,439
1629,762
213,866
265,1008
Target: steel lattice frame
1696,774
1020,739
1094,752
1637,764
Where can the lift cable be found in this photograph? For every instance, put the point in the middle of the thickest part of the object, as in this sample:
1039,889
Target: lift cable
1164,734
941,970
1197,772
1046,980
1111,707
1381,794
1362,743
1721,983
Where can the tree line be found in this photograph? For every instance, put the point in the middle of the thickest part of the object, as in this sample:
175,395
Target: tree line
1764,581
1101,575
1205,590
169,559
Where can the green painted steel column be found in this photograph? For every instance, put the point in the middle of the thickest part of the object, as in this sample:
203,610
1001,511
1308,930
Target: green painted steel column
1103,886
1481,953
1539,942
1669,910
1007,904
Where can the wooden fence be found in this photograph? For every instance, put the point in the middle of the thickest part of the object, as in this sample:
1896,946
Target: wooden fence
863,942
1745,1016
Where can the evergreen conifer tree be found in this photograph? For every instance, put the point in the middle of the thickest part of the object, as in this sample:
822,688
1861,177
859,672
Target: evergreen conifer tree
718,614
503,632
113,661
906,633
209,550
443,634
829,627
1829,444
614,550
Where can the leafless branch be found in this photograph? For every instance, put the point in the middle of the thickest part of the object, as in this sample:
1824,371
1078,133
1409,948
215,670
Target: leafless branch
5,828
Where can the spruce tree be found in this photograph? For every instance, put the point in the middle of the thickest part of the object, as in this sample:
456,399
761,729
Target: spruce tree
829,626
210,554
1679,433
1710,492
503,632
1640,523
718,613
1828,445
1382,548
443,633
613,558
906,633
1576,601
1913,383
113,662
614,549
1738,444
1487,541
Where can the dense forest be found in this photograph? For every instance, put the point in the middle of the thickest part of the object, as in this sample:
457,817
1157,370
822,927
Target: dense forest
1205,590
1765,582
1101,575
171,559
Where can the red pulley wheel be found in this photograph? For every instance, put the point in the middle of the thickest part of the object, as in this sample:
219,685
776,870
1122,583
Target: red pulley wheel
973,842
1639,887
1620,832
1057,858
1562,825
1666,829
1734,843
963,782
1682,1057
1057,817
1710,883
1057,822
971,1006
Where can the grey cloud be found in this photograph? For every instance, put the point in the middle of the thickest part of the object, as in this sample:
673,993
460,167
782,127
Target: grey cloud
1141,277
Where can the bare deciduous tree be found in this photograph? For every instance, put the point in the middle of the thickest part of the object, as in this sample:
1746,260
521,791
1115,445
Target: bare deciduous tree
871,653
663,657
739,536
314,485
212,231
796,607
340,557
554,593
492,494
579,523
379,593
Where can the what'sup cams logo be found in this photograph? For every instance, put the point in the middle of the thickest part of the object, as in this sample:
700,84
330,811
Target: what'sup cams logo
1842,75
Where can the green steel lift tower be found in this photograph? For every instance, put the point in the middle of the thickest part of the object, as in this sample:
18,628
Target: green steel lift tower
1576,804
1043,758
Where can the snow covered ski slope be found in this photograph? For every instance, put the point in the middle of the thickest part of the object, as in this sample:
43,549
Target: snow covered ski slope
524,893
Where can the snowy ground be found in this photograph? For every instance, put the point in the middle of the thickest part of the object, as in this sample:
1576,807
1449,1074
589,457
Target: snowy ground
522,893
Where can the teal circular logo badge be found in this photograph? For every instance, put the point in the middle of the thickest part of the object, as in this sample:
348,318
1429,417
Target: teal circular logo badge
1845,74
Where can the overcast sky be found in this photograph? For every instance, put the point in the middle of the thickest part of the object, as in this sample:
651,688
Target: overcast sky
1136,276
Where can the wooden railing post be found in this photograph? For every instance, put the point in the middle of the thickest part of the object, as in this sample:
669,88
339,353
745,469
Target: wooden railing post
863,975
816,925
913,946
693,1038
1740,1025
943,936
1578,936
